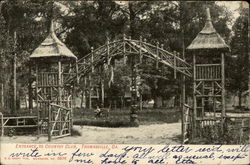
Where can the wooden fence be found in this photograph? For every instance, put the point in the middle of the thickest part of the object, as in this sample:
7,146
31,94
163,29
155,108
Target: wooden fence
17,122
60,121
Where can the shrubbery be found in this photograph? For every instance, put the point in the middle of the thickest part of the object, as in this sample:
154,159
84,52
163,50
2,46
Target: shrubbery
232,133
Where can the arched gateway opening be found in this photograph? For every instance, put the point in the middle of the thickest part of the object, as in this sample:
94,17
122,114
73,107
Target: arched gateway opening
58,71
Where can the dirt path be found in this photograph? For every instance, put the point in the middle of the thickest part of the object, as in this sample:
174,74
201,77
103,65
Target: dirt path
145,134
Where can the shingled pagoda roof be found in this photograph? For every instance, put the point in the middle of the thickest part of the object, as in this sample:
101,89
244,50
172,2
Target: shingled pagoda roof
52,47
208,38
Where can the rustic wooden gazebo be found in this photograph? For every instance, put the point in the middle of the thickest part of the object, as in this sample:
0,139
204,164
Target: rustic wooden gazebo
208,51
53,62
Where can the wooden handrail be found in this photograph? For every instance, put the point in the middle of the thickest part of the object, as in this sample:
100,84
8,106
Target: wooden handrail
60,106
187,106
2,124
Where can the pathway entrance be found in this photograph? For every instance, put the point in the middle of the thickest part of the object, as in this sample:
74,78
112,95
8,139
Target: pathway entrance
145,134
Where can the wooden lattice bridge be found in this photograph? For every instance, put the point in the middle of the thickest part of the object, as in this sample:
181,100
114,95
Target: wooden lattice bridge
57,71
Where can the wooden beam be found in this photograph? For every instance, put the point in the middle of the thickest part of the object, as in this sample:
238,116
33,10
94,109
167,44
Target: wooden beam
90,86
37,103
92,59
102,92
157,55
175,64
77,75
124,49
194,98
60,82
2,124
2,96
223,90
140,51
183,92
49,124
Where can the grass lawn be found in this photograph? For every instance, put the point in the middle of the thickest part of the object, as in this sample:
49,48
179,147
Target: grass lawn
121,118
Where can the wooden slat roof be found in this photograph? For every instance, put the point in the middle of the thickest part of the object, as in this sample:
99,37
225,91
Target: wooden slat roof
208,38
52,47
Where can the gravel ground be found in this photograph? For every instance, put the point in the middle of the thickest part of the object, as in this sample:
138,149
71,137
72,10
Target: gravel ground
144,134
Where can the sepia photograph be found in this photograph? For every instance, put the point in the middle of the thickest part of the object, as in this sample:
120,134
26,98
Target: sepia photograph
124,72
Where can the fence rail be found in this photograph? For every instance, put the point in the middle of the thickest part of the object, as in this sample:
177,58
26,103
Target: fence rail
17,122
208,71
60,121
187,123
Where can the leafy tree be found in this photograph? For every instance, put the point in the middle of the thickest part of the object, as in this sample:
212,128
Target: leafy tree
91,23
238,66
30,20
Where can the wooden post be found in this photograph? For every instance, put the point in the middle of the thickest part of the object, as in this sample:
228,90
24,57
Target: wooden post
30,89
60,82
2,124
108,56
194,97
85,85
203,99
90,78
124,49
77,76
92,59
223,90
2,97
175,65
37,107
102,92
157,54
49,124
90,99
140,54
141,102
183,92
134,104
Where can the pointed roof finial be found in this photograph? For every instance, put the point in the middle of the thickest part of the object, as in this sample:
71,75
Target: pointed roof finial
208,14
52,47
208,38
208,28
51,26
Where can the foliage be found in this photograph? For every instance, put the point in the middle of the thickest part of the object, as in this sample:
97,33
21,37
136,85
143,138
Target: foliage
232,134
238,64
85,24
20,17
120,117
90,24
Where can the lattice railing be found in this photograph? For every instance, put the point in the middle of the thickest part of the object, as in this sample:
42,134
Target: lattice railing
187,124
60,121
128,47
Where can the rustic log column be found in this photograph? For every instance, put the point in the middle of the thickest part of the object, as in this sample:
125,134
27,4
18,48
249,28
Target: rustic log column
183,100
60,82
30,89
37,104
223,109
102,93
134,101
194,98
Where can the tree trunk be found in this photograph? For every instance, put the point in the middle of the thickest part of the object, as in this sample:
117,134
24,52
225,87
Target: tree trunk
240,99
157,102
2,98
30,90
82,99
14,110
132,17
